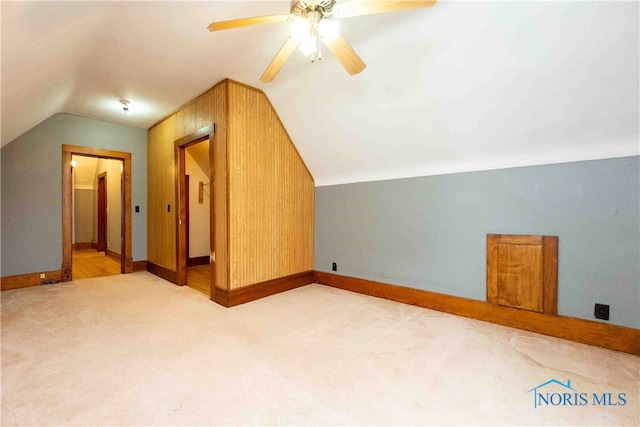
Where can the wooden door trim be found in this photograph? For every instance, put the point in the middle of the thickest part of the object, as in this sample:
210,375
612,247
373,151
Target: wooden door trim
187,202
126,266
202,134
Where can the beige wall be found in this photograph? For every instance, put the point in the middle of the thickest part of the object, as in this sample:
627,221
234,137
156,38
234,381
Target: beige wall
114,203
197,167
83,215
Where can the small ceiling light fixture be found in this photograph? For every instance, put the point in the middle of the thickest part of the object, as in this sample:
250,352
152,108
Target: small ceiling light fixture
125,105
311,30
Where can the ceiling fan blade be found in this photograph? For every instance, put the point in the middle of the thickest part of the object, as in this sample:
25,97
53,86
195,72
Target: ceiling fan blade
278,61
243,22
346,55
358,8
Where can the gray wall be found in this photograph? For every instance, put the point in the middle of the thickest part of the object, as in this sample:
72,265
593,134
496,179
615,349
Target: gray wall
32,189
430,232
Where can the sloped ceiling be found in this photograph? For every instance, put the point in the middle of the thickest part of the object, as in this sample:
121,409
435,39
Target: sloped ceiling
460,86
200,154
84,171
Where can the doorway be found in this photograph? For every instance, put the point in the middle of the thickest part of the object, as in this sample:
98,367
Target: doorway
194,243
198,214
97,216
120,237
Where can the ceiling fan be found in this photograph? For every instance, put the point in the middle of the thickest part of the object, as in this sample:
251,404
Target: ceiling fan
314,22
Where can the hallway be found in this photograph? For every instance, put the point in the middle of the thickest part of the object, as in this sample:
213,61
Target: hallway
199,278
88,263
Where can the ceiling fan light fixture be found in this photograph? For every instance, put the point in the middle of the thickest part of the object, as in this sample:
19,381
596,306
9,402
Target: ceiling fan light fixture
309,44
300,28
313,25
329,29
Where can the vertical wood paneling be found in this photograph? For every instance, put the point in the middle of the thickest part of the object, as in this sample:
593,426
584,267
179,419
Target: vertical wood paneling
270,194
263,199
186,120
203,113
161,249
218,108
210,107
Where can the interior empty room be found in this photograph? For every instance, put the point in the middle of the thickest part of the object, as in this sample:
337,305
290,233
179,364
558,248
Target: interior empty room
320,212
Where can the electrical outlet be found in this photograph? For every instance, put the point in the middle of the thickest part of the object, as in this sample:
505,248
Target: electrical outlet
42,275
601,311
334,266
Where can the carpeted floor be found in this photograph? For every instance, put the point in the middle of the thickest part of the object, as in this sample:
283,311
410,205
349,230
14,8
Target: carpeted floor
137,350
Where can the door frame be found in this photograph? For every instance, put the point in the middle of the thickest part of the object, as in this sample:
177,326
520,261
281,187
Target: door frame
126,263
187,214
202,134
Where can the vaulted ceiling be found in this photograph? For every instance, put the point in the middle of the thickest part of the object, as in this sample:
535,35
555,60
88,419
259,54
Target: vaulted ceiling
460,86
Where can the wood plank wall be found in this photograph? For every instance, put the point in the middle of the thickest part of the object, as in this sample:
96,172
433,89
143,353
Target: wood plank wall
271,194
216,103
264,194
161,224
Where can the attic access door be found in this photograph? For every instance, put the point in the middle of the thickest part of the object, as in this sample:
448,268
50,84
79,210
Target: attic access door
182,243
522,272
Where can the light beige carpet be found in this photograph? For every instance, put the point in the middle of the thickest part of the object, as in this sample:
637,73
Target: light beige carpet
137,350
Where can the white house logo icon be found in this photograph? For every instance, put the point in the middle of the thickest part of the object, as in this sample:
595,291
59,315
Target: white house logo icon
554,399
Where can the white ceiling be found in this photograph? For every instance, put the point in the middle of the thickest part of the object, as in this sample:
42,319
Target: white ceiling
460,86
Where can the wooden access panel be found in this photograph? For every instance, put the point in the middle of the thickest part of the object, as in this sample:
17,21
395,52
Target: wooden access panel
522,272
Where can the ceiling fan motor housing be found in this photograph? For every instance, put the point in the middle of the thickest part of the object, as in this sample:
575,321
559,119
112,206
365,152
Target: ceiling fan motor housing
302,8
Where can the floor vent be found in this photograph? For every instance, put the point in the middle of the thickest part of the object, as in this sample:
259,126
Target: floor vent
52,281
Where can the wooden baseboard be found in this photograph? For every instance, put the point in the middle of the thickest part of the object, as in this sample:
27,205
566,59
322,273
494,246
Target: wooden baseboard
113,255
165,273
94,245
140,265
261,290
82,245
30,279
200,260
613,337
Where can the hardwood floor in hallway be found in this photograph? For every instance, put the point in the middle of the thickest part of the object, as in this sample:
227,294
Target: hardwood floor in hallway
89,263
199,278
